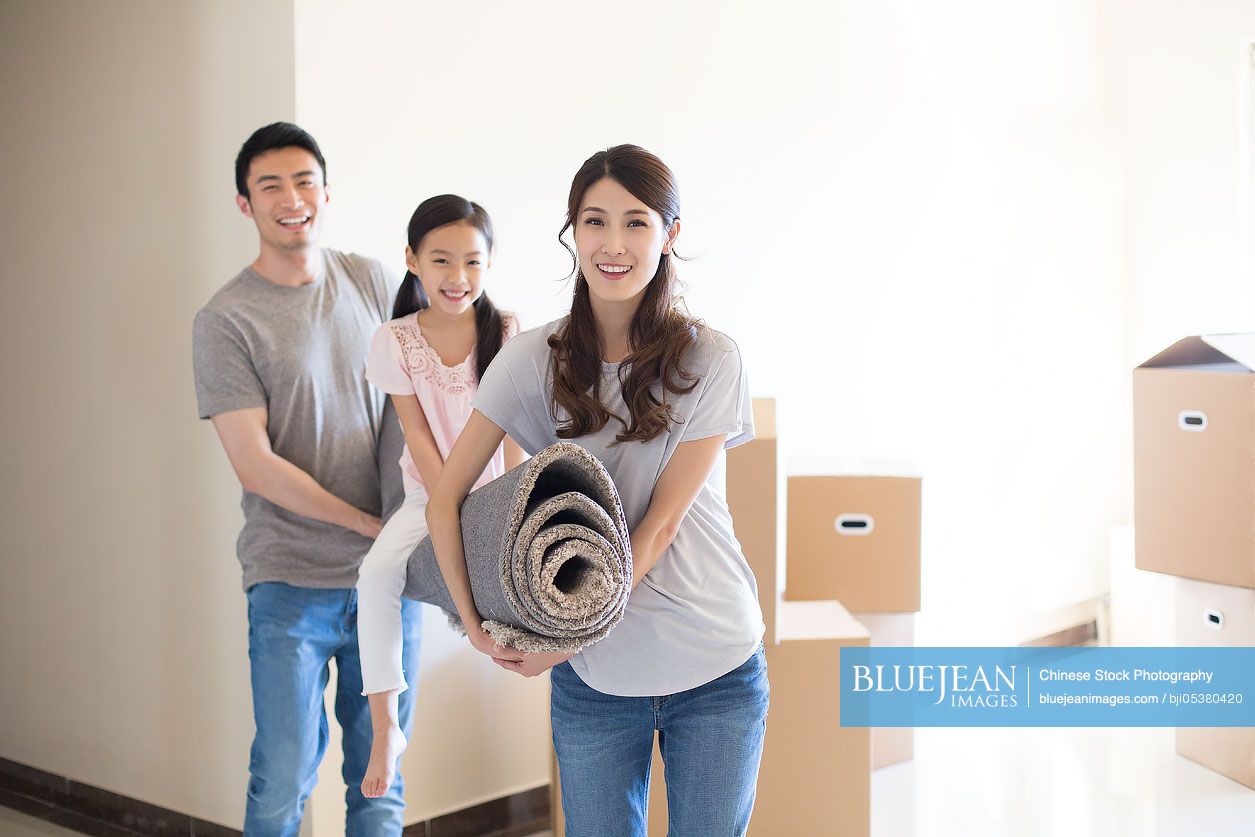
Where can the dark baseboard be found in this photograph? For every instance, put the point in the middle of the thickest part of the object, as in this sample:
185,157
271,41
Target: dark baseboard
1084,634
98,811
516,815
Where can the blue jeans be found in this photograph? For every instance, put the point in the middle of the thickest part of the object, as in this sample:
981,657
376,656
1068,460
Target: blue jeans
711,739
293,633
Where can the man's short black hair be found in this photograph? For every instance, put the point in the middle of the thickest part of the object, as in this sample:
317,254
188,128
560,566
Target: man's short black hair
275,135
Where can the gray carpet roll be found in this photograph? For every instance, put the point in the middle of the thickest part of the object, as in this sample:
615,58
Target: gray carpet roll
547,552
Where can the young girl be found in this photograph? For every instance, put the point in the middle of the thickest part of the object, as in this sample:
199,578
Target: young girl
429,359
657,397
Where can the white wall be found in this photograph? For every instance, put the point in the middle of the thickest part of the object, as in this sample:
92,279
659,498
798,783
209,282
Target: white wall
1177,86
909,215
1178,77
122,627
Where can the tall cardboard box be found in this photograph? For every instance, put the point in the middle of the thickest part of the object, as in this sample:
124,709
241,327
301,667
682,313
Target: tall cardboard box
1194,460
855,540
815,776
1216,615
756,497
890,745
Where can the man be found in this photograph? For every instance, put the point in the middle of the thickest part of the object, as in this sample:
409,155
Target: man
280,355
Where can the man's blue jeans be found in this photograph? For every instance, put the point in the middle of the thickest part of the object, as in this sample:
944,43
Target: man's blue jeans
293,633
711,739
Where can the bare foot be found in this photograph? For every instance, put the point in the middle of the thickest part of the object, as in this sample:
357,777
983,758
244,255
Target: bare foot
385,749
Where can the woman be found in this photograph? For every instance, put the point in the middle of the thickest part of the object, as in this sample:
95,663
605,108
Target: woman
657,397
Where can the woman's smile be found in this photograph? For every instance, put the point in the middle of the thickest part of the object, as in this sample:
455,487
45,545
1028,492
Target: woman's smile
613,272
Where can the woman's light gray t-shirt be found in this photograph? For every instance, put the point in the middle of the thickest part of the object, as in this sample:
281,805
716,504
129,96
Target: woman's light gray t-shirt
695,616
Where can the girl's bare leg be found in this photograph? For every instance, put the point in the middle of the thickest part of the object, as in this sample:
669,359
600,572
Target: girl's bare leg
388,744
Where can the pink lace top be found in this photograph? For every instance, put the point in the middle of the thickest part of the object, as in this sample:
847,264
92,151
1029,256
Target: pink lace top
402,362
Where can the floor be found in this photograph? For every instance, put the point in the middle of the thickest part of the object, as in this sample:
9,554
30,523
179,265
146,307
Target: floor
1047,782
1008,783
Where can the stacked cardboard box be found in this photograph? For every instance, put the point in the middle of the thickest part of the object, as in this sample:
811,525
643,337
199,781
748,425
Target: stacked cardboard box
815,777
890,745
1194,506
1217,615
856,539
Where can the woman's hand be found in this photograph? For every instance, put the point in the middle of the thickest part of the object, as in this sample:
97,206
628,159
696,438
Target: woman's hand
533,664
483,642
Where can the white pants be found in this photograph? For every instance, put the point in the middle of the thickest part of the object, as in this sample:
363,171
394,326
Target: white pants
379,584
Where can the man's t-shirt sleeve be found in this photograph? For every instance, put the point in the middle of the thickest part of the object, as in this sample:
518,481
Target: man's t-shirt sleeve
226,379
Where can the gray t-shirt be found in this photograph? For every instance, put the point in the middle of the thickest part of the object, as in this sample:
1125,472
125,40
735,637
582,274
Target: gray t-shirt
300,352
695,616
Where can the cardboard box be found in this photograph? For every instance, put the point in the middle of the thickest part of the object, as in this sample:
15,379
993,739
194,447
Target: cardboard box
890,745
1194,473
755,487
1216,615
815,777
855,540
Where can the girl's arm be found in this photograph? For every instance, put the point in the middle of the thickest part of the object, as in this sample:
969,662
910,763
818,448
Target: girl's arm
673,495
418,439
466,462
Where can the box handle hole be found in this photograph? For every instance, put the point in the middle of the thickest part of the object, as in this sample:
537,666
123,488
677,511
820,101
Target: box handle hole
1194,421
1214,619
854,524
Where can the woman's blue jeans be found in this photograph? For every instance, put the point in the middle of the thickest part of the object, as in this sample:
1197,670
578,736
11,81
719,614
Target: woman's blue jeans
711,739
293,633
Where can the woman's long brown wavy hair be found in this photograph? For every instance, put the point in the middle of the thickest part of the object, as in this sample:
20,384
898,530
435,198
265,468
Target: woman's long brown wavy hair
660,333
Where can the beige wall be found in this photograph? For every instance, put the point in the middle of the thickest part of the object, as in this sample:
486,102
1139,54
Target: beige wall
122,628
122,623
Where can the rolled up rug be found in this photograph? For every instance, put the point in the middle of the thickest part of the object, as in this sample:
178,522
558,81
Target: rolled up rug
547,552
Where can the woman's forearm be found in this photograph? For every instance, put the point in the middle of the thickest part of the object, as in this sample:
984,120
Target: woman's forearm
444,525
674,493
649,540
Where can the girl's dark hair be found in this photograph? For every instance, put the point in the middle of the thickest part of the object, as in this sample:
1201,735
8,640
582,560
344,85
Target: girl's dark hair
659,335
432,214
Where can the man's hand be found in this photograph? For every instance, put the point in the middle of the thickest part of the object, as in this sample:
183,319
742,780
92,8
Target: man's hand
534,664
368,526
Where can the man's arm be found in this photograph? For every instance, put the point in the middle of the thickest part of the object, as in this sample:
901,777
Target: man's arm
263,472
